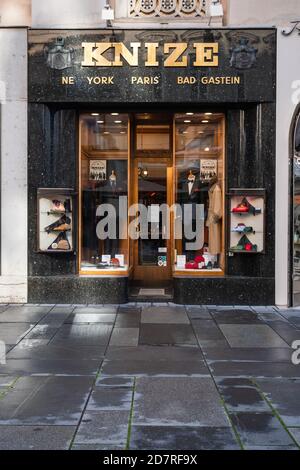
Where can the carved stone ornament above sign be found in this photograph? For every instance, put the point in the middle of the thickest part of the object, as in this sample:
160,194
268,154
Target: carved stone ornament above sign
124,66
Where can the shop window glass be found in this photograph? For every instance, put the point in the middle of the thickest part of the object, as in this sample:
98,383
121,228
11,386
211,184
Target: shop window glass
199,192
103,179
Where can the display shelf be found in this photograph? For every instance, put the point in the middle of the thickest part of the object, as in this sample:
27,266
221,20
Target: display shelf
55,224
252,203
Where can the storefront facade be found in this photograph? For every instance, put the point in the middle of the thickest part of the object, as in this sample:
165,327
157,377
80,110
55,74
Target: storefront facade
152,117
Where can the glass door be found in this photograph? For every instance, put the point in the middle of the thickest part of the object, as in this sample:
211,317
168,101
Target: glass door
152,251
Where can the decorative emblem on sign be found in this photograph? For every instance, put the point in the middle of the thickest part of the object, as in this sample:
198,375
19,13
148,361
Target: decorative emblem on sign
243,56
295,27
163,8
59,57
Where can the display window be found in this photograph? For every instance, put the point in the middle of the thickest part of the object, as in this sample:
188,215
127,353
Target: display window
154,161
103,180
199,192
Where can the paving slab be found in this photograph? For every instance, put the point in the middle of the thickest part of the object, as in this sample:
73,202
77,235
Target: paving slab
98,334
129,309
252,336
253,369
103,427
28,310
284,396
32,349
106,310
46,332
207,344
62,309
124,337
90,318
171,401
36,437
183,438
235,316
110,399
277,355
241,395
115,382
155,353
160,368
128,320
160,334
198,312
5,382
23,315
170,315
207,330
50,366
296,434
45,401
85,447
286,331
12,333
256,429
54,319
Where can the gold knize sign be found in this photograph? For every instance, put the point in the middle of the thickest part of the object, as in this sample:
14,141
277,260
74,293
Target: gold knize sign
176,54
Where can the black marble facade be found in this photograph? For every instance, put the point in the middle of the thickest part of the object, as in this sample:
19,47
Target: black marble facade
250,163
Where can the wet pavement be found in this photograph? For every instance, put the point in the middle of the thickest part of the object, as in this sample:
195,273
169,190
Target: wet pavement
149,376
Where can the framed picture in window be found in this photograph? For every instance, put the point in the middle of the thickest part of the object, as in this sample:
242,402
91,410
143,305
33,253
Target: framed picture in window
97,170
208,168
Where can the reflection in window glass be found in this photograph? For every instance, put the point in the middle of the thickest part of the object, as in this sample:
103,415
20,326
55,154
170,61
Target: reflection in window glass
104,178
199,182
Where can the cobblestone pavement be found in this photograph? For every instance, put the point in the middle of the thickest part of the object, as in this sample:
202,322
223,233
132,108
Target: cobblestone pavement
151,376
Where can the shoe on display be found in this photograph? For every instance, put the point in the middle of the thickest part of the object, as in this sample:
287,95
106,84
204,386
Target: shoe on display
242,228
61,225
246,208
58,206
243,207
244,245
191,265
115,263
60,243
209,265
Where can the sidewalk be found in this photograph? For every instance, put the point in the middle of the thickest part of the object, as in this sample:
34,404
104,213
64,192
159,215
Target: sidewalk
154,376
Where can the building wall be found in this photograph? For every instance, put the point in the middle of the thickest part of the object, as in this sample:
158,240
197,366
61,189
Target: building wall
13,103
288,98
15,12
258,12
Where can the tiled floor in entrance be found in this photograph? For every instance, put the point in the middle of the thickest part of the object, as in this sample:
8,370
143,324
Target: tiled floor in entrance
149,376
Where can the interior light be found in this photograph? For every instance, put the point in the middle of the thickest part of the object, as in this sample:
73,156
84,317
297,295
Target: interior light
207,149
185,132
208,114
189,114
205,121
118,122
100,122
115,114
122,132
187,121
95,114
106,132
